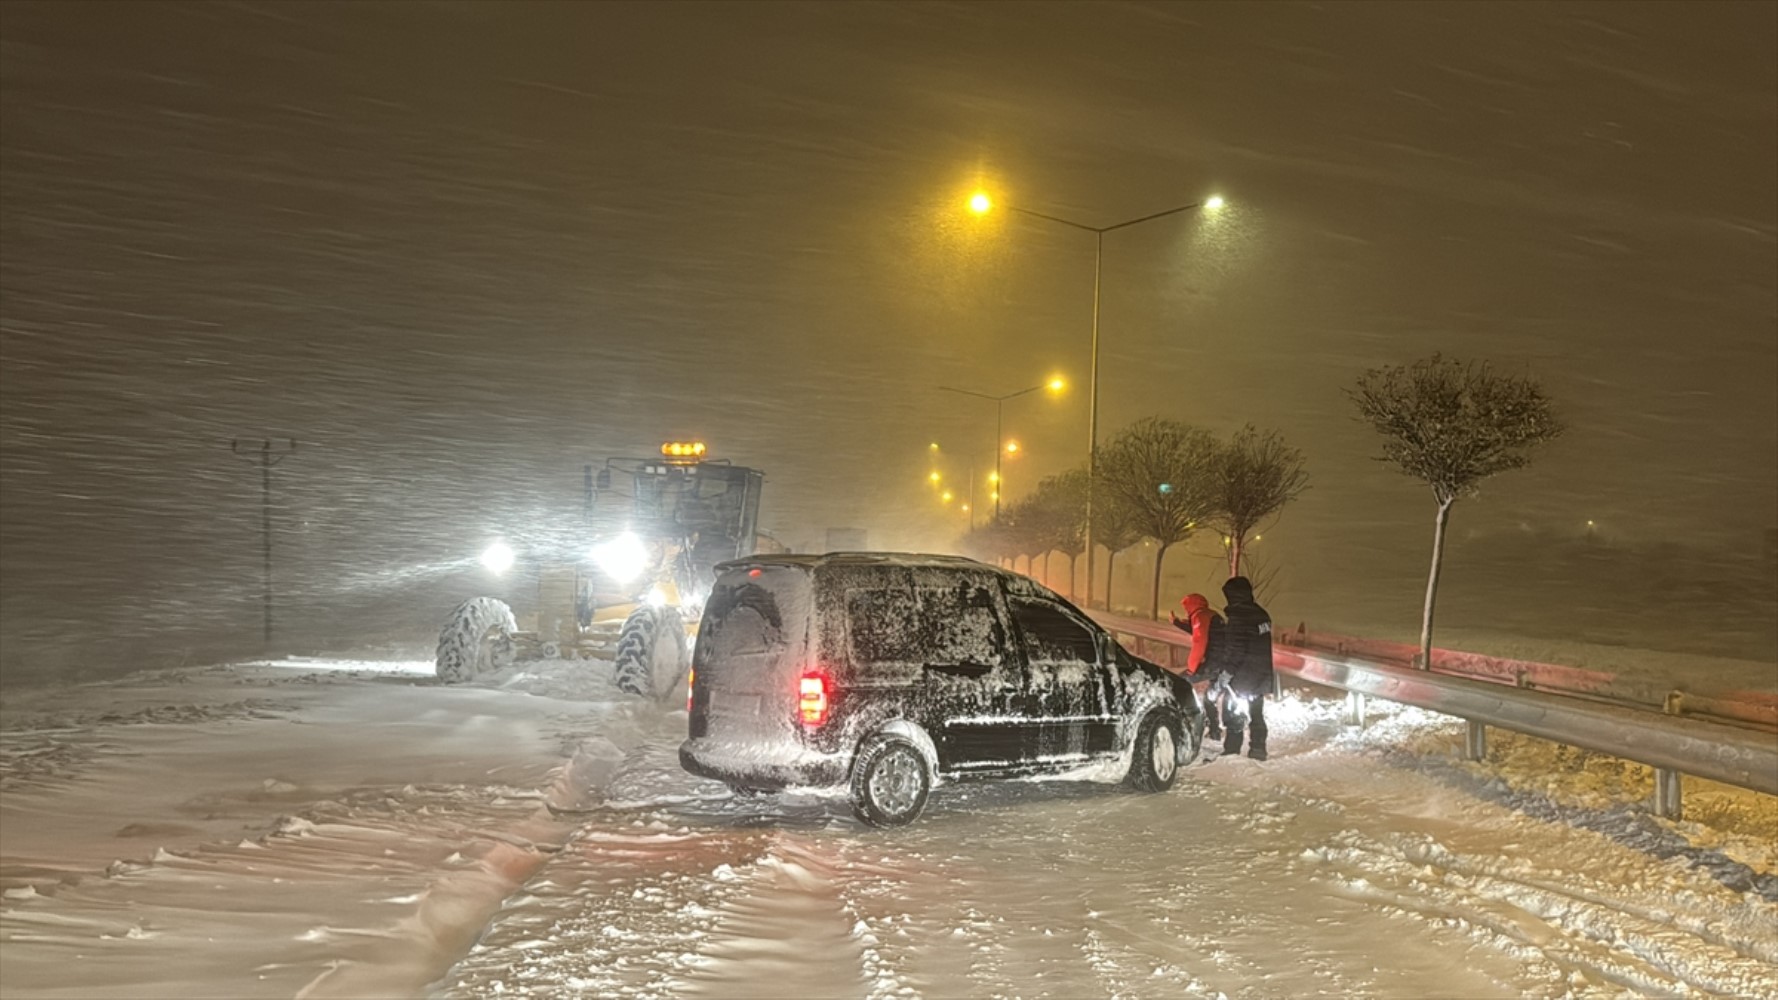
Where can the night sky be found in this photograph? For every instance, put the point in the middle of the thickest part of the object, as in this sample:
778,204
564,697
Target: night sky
460,250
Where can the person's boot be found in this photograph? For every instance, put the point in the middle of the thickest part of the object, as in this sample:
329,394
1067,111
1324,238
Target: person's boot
1257,751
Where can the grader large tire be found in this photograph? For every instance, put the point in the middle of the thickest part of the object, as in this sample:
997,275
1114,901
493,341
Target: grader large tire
651,654
476,640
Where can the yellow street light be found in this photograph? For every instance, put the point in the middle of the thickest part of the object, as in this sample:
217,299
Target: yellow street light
993,477
980,204
933,446
995,496
947,496
933,475
1012,447
965,508
1056,384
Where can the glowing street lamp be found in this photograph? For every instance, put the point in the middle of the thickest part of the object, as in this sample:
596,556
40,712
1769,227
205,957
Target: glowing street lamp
981,204
1001,445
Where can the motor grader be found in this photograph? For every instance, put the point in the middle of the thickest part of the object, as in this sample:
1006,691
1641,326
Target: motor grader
634,584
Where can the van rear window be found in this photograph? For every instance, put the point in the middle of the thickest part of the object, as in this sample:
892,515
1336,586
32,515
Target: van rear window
740,620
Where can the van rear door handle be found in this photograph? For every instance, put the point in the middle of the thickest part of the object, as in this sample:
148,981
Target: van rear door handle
960,669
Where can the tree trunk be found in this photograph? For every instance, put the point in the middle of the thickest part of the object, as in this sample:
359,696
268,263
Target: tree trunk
1154,601
1110,563
1070,575
1046,569
1438,556
1235,555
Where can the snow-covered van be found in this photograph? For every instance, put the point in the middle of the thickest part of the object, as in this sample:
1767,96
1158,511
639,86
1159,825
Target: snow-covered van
887,673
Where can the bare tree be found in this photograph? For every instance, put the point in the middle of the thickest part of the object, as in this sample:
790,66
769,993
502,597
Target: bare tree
1452,424
1162,472
1059,505
1256,475
1114,526
989,542
1018,531
1264,574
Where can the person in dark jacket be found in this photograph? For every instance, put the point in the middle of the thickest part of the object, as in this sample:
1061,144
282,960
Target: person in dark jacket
1244,650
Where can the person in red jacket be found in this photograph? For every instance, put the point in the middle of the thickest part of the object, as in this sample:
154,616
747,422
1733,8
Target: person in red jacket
1203,624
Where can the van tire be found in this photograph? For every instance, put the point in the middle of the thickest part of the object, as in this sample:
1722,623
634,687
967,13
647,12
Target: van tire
890,781
1154,756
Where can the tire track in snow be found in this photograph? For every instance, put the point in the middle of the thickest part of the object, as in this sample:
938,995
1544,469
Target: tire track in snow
1595,932
787,931
625,908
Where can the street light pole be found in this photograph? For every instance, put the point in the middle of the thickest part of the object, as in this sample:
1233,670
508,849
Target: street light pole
999,451
999,431
1093,366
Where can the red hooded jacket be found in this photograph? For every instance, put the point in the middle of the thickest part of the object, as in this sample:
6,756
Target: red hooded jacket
1198,618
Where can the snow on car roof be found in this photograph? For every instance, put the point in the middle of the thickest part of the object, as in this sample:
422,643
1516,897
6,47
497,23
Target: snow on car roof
811,561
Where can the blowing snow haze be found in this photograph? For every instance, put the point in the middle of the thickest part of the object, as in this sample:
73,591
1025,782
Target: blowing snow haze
458,251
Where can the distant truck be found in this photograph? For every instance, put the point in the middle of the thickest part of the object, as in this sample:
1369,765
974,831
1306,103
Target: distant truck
658,527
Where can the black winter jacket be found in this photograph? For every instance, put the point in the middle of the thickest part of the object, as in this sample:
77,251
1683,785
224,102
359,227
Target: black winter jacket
1244,646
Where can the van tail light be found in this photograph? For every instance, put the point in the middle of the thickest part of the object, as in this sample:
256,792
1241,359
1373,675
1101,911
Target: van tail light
811,702
691,679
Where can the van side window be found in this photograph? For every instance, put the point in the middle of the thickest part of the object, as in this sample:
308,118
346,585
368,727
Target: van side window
1051,636
963,625
883,627
924,625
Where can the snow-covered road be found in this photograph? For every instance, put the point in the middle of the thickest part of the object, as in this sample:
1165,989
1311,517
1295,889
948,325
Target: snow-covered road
319,828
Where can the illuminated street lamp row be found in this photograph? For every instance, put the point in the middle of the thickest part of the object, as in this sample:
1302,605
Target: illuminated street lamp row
981,203
1002,446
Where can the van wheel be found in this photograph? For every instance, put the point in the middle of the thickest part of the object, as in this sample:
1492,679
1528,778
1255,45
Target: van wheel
1153,760
890,781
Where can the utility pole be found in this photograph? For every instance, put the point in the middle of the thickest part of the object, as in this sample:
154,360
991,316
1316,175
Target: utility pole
268,453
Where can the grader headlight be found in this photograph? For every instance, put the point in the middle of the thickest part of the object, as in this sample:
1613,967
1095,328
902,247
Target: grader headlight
683,449
498,558
623,558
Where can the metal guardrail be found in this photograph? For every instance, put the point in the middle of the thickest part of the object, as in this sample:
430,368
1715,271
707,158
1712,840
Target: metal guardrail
1672,744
